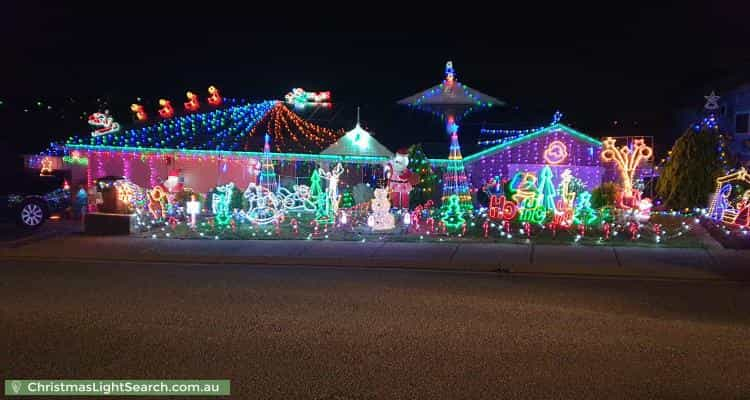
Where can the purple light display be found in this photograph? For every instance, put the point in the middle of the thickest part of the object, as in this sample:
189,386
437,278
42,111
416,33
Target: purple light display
582,159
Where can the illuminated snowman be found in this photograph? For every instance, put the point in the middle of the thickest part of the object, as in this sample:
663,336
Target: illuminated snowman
381,218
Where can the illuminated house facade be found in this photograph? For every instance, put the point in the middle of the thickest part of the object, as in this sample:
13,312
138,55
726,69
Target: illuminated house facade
557,145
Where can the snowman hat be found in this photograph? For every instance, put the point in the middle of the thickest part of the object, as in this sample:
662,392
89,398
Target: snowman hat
403,151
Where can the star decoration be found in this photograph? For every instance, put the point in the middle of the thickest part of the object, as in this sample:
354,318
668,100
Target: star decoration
712,101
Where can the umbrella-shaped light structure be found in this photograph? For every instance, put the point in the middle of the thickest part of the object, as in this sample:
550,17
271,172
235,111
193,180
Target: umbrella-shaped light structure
452,100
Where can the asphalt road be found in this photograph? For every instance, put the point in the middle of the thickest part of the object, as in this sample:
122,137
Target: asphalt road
326,333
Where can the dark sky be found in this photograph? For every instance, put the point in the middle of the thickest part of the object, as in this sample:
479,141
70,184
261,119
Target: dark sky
597,65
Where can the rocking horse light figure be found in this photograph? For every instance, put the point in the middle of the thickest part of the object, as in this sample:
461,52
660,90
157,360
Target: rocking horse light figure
264,206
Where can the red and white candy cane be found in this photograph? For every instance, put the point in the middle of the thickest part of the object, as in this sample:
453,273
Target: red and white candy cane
295,226
607,229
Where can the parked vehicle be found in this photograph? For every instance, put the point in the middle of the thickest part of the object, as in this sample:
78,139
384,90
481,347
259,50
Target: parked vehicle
31,199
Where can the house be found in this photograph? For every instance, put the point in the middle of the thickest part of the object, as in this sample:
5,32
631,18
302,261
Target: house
557,145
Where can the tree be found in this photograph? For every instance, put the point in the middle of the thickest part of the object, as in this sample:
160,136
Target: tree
426,187
347,199
546,193
584,214
604,195
315,187
453,214
690,172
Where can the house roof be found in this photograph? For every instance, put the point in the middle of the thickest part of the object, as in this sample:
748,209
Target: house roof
533,135
228,128
456,94
451,92
358,142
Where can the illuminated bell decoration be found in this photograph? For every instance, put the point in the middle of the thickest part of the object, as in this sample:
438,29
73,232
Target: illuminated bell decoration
193,104
166,110
140,114
214,97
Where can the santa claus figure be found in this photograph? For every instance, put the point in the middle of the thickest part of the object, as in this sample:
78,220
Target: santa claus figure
400,178
175,181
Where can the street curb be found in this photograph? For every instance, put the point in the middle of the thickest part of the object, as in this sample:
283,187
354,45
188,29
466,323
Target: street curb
333,262
266,260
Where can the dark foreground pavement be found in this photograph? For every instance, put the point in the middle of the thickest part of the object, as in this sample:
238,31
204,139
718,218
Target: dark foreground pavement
289,332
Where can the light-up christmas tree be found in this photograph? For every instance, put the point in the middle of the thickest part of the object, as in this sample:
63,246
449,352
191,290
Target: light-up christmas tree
347,199
425,188
267,174
454,178
584,214
453,214
452,100
546,193
316,189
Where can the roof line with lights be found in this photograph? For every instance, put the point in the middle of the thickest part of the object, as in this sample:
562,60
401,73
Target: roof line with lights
531,136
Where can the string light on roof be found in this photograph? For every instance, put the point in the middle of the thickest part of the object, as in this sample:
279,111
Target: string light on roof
220,129
289,132
510,134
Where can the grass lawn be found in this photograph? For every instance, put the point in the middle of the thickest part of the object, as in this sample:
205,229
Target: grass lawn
676,231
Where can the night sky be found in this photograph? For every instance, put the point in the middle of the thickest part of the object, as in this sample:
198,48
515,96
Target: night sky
613,70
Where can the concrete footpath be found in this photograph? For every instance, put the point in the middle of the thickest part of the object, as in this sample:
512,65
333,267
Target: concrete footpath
713,263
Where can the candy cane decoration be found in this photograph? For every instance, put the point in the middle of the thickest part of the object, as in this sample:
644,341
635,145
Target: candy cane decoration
295,226
607,228
633,230
486,227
